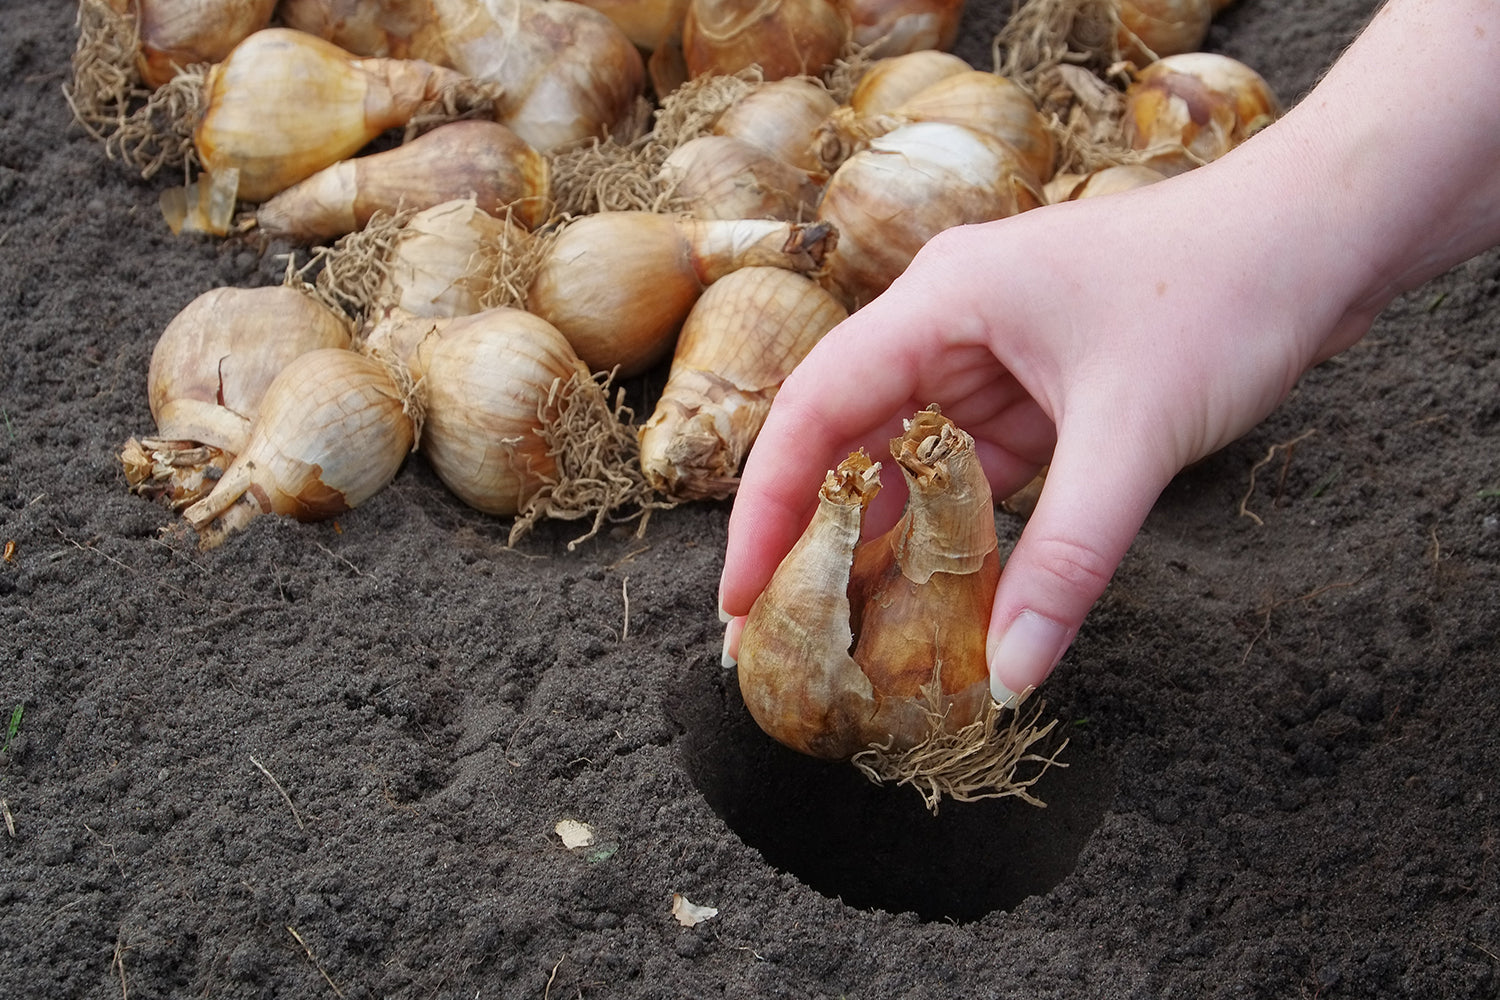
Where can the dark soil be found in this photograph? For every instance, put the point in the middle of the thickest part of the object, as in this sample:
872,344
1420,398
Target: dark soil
327,760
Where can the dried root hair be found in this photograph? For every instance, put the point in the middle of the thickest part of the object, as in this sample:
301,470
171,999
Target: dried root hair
104,80
1066,54
159,133
350,273
502,276
606,175
597,451
981,760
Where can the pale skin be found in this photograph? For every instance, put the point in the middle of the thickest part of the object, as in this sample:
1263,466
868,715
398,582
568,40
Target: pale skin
1122,338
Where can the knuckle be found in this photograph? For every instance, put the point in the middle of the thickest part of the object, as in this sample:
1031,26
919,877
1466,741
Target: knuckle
1076,567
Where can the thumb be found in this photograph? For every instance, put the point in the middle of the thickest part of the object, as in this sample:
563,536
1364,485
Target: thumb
1094,502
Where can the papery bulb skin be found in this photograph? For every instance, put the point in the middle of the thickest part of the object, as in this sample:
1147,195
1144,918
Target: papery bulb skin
619,284
176,34
445,261
333,430
487,379
1189,109
897,27
796,675
1097,183
978,100
566,72
783,37
650,24
781,117
213,363
722,177
393,29
480,159
1154,29
910,184
890,82
209,371
921,593
856,644
284,105
741,340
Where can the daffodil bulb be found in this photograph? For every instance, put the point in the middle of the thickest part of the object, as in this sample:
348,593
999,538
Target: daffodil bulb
453,259
888,83
854,644
566,72
741,340
1153,29
1188,109
285,104
513,422
619,284
896,27
781,37
781,117
723,177
209,371
874,651
480,159
333,429
982,101
908,185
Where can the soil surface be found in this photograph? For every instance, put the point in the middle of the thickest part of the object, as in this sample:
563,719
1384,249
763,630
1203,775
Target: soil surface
328,760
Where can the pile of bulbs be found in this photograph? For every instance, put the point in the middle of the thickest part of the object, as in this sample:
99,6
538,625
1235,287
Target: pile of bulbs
483,279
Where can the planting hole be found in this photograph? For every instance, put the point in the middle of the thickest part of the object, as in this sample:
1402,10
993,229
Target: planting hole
877,847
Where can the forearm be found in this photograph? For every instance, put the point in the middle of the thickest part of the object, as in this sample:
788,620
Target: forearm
1401,142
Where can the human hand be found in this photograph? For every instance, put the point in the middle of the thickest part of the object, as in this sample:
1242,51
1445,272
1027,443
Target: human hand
1120,339
1128,336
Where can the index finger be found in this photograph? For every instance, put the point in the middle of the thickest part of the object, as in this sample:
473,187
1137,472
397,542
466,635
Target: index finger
859,379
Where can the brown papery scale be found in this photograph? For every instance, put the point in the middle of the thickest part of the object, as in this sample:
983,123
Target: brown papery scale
890,82
480,159
889,199
285,104
395,29
209,371
514,424
740,342
783,37
565,72
875,651
619,284
896,27
333,430
1186,110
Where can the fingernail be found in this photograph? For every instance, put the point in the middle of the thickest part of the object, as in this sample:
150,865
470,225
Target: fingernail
1024,656
724,616
732,631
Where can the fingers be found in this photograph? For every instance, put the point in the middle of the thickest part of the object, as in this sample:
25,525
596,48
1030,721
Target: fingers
853,385
1096,498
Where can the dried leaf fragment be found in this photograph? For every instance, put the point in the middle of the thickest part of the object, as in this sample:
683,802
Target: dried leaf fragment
690,914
